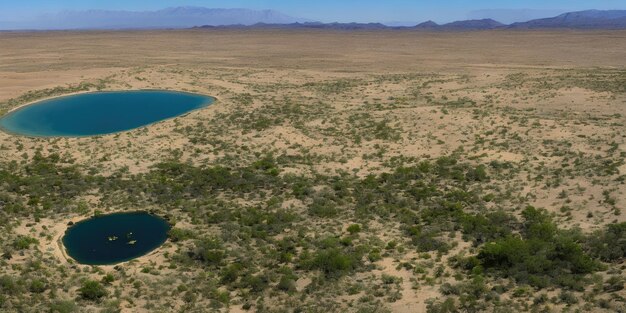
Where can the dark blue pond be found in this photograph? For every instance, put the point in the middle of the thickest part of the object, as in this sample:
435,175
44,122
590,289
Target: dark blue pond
115,238
100,113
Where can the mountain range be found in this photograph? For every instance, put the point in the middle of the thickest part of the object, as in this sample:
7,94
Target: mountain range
590,19
199,17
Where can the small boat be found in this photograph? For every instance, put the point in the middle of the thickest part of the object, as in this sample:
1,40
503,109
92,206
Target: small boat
112,238
132,242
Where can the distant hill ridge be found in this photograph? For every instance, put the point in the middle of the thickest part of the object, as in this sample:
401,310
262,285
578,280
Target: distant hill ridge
468,24
471,24
591,19
200,17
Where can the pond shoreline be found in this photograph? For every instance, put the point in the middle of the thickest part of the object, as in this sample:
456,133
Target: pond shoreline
130,235
150,118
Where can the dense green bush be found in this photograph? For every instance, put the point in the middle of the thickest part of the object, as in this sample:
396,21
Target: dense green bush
286,284
178,234
609,244
427,240
209,251
447,306
323,206
334,262
37,286
488,227
92,290
354,228
9,285
255,283
268,165
478,173
333,257
543,255
24,242
231,273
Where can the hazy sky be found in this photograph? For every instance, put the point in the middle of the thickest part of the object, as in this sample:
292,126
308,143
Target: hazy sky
331,10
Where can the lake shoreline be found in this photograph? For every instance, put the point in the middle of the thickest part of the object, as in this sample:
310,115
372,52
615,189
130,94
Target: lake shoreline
40,133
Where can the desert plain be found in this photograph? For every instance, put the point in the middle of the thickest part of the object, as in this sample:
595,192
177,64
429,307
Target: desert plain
337,171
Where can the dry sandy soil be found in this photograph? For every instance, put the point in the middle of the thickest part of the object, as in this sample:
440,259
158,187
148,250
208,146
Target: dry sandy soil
537,99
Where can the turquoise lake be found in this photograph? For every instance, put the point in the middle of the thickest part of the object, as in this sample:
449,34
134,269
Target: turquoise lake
100,113
115,238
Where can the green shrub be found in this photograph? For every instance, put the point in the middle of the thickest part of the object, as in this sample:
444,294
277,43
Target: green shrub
300,188
24,242
92,290
9,286
286,284
608,245
427,240
334,262
108,279
374,255
256,283
568,297
447,306
267,165
488,227
390,279
543,255
478,173
63,306
614,283
230,273
178,234
209,251
354,228
323,206
333,258
37,286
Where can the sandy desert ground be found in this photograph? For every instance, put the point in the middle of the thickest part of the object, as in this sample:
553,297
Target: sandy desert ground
529,118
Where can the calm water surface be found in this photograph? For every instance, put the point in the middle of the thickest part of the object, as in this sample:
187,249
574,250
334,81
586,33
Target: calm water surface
100,113
115,238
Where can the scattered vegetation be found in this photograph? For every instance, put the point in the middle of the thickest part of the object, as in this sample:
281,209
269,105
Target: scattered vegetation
310,197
